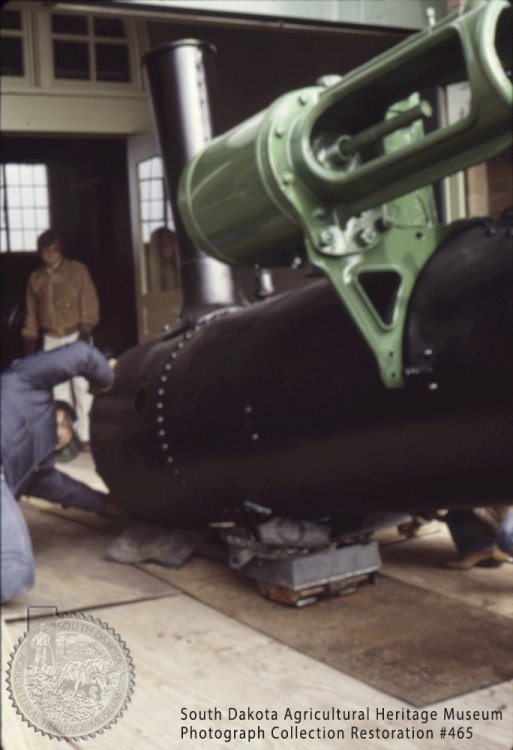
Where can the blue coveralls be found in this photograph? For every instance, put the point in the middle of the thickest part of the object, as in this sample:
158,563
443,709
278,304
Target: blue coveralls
28,440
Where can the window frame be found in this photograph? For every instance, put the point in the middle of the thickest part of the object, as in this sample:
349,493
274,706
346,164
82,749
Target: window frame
91,84
5,209
26,34
166,217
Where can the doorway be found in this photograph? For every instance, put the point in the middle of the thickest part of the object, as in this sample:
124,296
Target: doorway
88,205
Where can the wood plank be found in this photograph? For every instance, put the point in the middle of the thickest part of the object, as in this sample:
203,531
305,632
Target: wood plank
417,561
71,572
16,735
188,655
444,654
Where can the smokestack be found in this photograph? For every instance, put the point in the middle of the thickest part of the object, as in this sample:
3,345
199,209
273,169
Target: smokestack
181,83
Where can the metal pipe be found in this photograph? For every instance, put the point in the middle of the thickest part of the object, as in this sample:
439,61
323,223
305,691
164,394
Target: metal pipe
181,83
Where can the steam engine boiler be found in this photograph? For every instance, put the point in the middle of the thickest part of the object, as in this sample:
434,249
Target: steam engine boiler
385,383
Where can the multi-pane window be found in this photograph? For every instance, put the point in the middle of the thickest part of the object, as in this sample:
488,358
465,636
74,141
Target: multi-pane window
154,205
24,206
90,49
11,48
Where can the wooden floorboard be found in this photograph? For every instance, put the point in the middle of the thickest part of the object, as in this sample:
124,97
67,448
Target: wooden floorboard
363,634
418,561
71,572
187,654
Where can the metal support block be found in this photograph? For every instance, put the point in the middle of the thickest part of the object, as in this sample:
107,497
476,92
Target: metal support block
304,578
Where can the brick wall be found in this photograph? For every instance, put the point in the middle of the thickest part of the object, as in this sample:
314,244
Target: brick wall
500,183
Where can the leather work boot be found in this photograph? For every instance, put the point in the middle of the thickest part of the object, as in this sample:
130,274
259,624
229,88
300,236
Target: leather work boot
492,557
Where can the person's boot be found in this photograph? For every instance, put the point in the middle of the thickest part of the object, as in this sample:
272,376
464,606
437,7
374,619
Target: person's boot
487,558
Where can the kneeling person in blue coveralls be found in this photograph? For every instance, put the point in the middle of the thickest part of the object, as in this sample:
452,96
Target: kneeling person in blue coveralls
31,432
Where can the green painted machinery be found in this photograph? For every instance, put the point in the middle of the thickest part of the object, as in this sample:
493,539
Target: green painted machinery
337,177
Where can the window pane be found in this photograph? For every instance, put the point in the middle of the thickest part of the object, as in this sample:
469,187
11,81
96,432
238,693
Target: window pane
42,219
144,190
156,167
30,239
29,218
10,19
112,62
15,219
71,60
12,174
157,212
11,56
17,240
40,197
69,24
144,168
14,196
109,27
145,231
26,204
3,241
157,190
145,210
27,196
25,174
40,175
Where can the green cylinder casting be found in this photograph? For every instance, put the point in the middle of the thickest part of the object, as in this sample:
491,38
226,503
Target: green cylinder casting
254,194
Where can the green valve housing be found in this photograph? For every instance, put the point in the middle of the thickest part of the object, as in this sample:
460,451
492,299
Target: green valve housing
336,176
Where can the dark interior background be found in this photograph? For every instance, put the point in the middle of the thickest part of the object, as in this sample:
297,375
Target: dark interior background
89,206
254,66
88,176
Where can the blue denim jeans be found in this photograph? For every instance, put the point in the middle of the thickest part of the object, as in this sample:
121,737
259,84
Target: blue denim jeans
17,558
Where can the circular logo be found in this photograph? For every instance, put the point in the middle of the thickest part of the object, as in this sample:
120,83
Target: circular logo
70,676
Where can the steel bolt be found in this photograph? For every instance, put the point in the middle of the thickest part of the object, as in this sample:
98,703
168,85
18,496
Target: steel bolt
366,237
326,237
288,178
279,132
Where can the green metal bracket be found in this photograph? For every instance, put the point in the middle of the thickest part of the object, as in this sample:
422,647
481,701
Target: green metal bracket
395,244
345,168
397,259
389,245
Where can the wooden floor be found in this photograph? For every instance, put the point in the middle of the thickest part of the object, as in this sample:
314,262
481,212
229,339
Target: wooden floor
189,655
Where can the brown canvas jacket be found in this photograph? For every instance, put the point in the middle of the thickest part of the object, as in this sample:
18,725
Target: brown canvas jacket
61,301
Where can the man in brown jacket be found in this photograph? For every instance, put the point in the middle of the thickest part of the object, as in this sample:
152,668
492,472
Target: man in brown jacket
62,304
